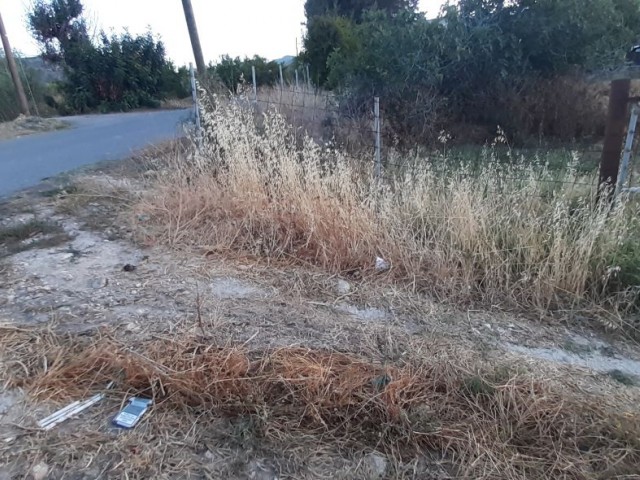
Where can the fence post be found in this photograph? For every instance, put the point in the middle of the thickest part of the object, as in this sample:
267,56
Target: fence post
281,76
628,147
614,133
308,78
255,84
196,107
378,142
297,84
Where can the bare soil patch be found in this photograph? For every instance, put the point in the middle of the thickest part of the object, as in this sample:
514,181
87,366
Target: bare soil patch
265,371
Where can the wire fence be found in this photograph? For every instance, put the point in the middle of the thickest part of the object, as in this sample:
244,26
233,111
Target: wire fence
359,135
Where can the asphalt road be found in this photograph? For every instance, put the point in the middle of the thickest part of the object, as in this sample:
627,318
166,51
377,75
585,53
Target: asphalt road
25,161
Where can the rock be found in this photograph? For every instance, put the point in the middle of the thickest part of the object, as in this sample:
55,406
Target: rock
260,470
343,287
376,465
40,471
382,265
212,457
129,268
132,327
98,283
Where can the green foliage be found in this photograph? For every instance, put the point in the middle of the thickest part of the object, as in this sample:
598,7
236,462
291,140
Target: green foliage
233,72
407,83
478,59
120,72
326,35
36,92
9,108
330,26
59,27
354,9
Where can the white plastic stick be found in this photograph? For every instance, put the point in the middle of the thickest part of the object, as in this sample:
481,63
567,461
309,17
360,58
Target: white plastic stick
42,423
68,413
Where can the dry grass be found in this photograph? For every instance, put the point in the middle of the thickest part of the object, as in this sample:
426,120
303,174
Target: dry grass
517,234
22,126
487,421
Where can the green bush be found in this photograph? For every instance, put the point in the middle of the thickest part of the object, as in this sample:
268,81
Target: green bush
233,72
325,36
120,72
9,108
35,90
480,62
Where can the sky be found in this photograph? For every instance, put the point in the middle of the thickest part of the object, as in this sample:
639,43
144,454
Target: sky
268,28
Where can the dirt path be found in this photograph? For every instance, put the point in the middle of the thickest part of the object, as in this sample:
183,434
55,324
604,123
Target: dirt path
71,267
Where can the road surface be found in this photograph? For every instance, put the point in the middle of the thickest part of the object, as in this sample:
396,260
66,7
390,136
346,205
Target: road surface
25,161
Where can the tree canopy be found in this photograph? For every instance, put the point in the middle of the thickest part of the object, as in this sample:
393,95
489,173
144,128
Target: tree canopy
117,72
354,9
470,55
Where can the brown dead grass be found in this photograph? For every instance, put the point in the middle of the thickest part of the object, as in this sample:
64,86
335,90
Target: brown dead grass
519,236
489,422
22,126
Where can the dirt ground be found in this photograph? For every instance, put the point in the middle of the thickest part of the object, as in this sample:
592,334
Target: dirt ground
71,264
23,126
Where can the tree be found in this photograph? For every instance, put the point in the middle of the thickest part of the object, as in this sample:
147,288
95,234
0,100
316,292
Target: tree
119,72
232,72
325,35
479,58
354,9
58,26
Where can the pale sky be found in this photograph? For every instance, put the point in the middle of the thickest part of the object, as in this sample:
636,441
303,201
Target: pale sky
268,28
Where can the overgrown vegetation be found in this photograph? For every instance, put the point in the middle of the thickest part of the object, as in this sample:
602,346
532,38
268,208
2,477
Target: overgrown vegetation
514,233
118,72
490,62
236,72
494,423
36,92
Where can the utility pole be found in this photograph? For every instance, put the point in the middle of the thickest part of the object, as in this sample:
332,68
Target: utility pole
195,39
13,70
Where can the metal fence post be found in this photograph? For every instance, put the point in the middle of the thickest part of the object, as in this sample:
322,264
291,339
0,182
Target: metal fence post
628,147
255,84
196,107
378,142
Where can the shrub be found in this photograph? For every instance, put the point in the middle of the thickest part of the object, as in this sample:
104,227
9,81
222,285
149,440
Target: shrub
407,84
36,92
233,72
326,35
120,72
515,233
481,62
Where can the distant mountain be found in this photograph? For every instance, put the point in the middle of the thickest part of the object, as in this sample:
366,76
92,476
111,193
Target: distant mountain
286,60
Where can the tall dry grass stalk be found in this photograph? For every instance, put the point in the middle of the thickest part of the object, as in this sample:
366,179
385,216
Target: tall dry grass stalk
517,233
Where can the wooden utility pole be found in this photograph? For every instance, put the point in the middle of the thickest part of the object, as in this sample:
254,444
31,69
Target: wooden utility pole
195,39
614,133
13,70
